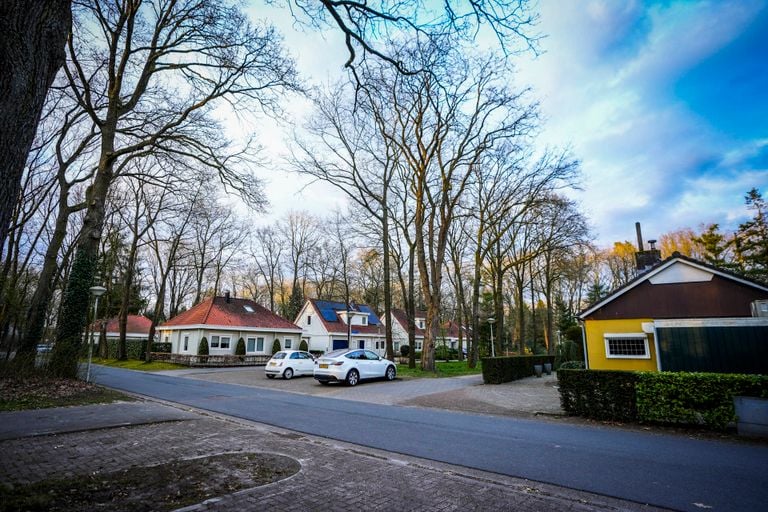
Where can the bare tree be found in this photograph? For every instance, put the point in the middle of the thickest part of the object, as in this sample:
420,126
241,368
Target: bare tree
148,75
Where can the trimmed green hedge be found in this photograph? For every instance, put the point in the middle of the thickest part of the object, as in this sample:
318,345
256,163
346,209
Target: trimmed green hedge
599,394
695,398
673,398
497,370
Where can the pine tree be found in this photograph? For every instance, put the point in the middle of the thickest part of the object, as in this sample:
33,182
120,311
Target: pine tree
751,239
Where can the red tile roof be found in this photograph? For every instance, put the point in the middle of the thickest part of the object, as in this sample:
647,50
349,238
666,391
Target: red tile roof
217,311
136,324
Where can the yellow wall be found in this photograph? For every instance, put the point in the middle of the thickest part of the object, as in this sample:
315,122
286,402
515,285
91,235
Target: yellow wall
595,329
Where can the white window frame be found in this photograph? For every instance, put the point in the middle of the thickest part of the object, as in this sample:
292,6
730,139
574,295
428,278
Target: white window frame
248,343
365,320
259,341
626,336
288,343
218,344
185,340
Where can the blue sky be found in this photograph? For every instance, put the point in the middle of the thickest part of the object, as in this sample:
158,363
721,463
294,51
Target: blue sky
664,103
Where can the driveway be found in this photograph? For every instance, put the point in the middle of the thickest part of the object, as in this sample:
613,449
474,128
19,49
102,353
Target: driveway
526,397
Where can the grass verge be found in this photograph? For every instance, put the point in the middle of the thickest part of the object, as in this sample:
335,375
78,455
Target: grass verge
442,369
138,364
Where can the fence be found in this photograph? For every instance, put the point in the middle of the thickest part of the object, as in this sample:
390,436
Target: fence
218,360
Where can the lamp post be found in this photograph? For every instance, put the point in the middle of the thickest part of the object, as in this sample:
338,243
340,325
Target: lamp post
96,292
493,349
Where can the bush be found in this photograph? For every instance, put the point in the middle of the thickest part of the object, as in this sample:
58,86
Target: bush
598,394
303,345
161,347
695,398
443,352
497,370
275,346
405,350
202,348
676,398
571,365
240,347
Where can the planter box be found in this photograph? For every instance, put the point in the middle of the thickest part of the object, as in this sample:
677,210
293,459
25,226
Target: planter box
751,416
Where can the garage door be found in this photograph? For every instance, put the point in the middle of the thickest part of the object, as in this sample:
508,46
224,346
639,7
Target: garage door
339,344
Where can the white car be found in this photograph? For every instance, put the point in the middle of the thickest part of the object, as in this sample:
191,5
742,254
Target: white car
288,363
352,366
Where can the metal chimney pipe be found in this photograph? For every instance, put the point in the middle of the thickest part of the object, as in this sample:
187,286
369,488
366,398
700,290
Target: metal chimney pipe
639,237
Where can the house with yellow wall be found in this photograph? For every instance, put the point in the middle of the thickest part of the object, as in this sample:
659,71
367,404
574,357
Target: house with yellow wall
680,315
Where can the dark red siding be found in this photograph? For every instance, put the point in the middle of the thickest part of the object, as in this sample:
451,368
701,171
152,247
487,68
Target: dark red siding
716,298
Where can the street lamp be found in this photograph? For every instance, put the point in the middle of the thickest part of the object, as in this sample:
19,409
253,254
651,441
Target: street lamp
493,349
96,292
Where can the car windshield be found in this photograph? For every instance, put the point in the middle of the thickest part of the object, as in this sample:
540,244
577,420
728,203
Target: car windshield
336,353
279,355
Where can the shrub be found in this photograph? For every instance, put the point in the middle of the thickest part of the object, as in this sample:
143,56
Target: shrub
405,350
443,352
240,347
275,346
702,399
202,348
572,365
598,394
161,347
695,398
497,370
303,345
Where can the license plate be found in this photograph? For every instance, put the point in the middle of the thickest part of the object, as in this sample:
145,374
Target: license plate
323,365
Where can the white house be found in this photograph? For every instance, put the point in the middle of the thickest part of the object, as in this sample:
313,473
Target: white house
448,332
224,320
329,325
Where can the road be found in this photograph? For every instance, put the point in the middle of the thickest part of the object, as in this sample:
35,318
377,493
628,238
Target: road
662,470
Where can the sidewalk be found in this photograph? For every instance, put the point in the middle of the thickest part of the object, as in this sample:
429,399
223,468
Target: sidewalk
333,475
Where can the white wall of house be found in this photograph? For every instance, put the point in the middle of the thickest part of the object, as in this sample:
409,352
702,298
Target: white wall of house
319,339
223,341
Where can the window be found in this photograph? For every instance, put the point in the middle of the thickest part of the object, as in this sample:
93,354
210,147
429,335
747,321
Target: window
418,345
259,344
309,319
165,338
186,342
220,341
365,320
420,323
626,346
288,342
250,345
397,346
248,308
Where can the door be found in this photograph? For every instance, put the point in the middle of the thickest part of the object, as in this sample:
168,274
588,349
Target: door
360,343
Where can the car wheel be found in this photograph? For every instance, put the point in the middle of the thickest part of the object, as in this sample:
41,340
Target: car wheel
270,376
288,374
390,373
353,378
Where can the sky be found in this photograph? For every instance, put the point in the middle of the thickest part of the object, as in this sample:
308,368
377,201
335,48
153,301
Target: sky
665,104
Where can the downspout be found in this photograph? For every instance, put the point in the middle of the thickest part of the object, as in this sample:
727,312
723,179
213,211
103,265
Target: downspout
584,344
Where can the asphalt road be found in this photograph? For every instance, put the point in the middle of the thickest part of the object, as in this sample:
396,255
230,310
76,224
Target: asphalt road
663,470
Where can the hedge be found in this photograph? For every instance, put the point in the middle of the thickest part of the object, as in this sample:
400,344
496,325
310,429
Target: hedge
672,398
497,370
599,394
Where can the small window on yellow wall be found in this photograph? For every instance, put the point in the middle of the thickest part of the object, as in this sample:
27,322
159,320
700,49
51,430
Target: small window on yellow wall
626,346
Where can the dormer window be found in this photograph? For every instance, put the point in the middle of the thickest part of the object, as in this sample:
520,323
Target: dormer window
365,320
248,308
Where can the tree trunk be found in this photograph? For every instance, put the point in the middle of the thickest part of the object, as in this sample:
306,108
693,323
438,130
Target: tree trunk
32,40
122,352
387,283
36,315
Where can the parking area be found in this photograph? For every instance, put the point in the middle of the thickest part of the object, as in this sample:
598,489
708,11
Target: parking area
525,397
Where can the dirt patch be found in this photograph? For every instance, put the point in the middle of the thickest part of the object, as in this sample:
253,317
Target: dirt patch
166,486
38,392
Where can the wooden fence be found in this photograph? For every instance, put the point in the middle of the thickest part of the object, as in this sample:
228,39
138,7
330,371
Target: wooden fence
212,361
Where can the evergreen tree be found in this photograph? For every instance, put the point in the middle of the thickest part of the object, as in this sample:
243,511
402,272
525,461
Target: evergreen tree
295,303
716,247
751,239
